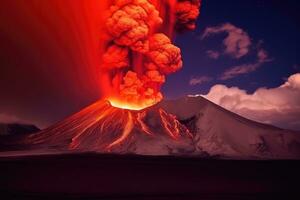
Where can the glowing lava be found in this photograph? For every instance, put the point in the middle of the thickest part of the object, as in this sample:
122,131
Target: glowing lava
102,127
124,105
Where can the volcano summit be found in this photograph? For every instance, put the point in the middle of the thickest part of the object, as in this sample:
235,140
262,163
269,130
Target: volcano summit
190,126
104,128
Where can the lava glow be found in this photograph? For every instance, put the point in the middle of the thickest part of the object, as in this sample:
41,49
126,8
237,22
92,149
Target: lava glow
127,106
102,127
138,50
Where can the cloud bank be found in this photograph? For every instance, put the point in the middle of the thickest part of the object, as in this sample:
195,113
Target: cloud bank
279,106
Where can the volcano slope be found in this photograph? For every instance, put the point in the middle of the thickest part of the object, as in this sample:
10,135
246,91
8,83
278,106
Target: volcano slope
190,126
107,129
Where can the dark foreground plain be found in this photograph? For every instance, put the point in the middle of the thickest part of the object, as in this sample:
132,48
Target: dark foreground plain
96,176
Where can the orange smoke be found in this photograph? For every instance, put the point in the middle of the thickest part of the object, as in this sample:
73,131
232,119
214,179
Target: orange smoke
187,12
139,52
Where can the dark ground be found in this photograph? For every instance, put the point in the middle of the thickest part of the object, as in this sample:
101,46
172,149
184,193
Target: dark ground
94,176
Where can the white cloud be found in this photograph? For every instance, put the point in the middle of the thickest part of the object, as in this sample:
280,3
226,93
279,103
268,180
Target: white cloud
278,106
262,57
200,80
239,70
237,43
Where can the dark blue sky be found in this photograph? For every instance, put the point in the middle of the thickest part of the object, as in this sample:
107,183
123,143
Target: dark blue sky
272,24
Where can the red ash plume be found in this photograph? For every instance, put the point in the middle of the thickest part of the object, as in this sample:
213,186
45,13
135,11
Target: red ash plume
139,51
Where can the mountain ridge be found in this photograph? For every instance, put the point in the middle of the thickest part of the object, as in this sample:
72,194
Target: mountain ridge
188,126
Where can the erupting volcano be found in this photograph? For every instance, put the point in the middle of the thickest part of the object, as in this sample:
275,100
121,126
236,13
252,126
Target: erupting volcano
114,64
138,49
138,54
104,128
190,126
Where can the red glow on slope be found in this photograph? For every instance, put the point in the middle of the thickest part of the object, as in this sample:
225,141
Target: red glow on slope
170,124
102,127
128,126
140,121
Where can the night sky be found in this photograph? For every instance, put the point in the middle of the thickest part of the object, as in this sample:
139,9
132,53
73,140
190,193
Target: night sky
274,25
48,59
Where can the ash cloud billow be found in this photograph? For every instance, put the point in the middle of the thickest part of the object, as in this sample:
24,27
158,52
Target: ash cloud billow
139,51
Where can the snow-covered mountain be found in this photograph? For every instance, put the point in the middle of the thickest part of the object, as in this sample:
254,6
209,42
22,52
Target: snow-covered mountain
189,126
221,132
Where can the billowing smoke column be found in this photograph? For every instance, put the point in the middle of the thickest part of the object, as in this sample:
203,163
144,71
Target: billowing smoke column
139,52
